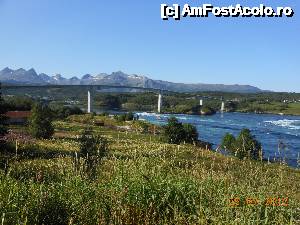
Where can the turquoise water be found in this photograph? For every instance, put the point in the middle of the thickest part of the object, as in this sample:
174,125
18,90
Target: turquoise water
279,135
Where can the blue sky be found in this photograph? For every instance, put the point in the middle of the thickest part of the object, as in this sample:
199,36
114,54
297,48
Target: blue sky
92,36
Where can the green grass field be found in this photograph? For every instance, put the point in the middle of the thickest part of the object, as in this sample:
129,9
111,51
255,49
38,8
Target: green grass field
142,181
274,108
293,109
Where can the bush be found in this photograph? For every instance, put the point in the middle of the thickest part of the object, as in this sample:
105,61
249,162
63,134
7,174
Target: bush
244,146
104,114
17,103
247,145
228,142
124,117
120,118
191,133
92,145
62,112
231,106
129,116
41,122
92,148
142,126
176,132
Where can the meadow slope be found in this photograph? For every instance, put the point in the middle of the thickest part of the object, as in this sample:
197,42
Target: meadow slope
142,180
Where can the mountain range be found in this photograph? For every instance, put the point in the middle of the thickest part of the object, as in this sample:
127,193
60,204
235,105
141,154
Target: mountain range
30,77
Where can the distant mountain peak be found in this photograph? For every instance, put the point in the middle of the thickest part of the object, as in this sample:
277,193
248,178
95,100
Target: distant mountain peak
20,70
119,75
119,71
32,71
58,77
6,69
87,76
21,76
102,74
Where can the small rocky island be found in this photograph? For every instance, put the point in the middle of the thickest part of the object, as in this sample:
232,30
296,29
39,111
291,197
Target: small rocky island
202,110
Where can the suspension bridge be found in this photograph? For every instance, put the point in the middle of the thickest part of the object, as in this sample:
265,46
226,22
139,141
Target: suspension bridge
93,88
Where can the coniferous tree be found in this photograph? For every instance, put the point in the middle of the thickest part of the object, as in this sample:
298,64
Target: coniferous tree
41,122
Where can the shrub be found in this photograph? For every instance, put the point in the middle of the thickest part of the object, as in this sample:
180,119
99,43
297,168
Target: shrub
244,146
142,126
228,142
191,133
174,131
124,117
120,118
247,145
104,114
196,110
62,112
92,145
177,132
19,103
92,148
129,116
41,122
231,106
85,119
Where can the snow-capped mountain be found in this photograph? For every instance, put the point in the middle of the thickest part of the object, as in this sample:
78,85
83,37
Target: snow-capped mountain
22,76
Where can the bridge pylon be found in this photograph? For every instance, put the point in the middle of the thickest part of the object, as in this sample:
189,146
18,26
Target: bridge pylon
223,106
89,106
159,103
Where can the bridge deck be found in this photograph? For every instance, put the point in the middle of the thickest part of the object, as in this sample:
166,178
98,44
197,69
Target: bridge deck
86,86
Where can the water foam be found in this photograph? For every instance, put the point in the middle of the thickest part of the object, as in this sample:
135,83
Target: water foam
290,124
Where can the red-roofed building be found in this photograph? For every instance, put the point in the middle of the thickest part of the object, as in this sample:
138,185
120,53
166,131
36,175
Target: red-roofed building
18,117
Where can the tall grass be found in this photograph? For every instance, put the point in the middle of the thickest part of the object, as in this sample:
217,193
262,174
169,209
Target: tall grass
144,181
